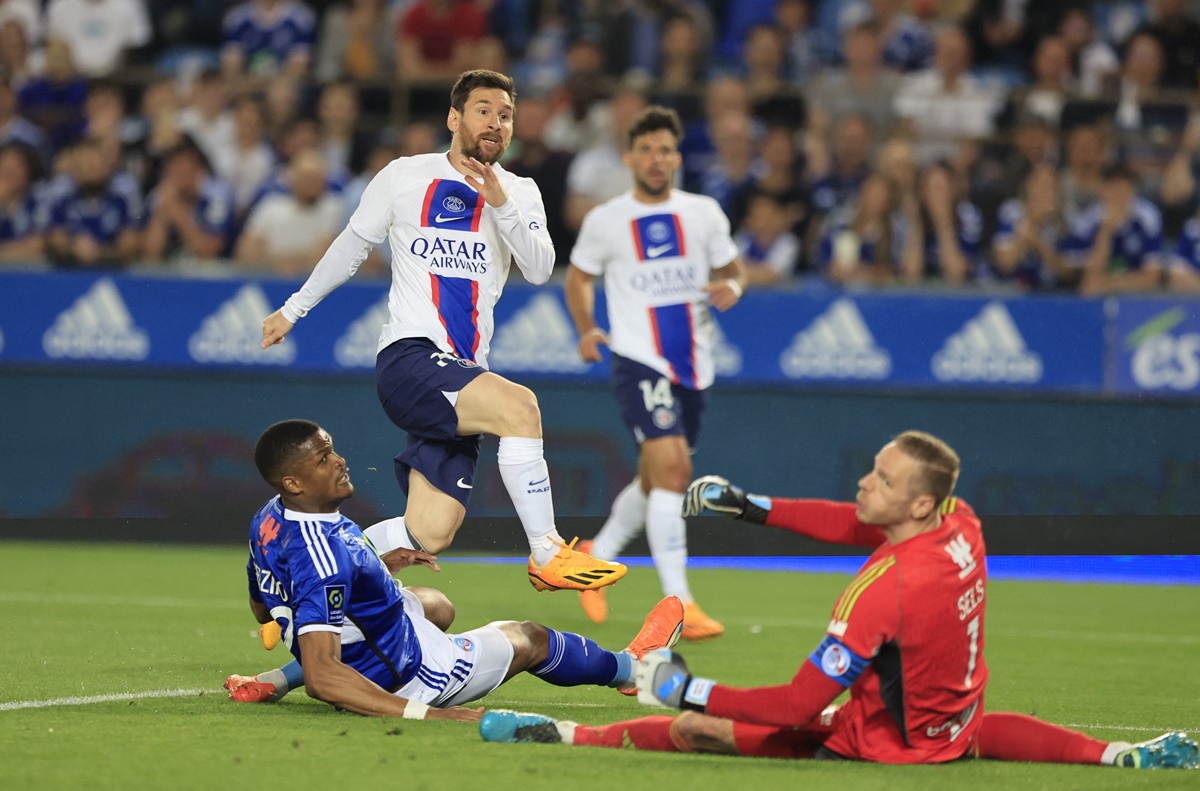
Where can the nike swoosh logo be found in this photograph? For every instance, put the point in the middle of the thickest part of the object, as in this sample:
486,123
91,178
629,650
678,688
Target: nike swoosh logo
655,251
440,218
462,485
543,480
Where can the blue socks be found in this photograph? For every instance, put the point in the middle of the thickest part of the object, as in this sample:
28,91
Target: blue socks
575,660
293,673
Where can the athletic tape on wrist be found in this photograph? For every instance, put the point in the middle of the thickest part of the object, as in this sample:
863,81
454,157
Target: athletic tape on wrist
415,710
736,286
697,692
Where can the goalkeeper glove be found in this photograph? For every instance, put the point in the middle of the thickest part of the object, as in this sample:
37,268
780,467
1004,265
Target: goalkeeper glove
663,680
718,494
271,634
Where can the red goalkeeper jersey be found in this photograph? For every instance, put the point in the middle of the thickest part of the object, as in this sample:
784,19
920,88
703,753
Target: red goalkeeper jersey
906,637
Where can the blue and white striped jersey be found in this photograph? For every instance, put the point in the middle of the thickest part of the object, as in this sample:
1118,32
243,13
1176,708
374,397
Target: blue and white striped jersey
317,572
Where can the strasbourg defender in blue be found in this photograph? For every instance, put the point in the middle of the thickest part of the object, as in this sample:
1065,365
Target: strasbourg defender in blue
366,643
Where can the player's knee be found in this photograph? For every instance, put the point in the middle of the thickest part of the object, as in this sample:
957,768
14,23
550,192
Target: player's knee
703,733
524,414
439,610
673,475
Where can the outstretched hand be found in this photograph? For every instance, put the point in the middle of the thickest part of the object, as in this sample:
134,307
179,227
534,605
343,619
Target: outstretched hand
487,184
589,345
275,329
402,558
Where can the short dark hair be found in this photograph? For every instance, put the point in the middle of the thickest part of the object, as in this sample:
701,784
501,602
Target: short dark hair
480,78
652,119
279,448
1119,171
939,464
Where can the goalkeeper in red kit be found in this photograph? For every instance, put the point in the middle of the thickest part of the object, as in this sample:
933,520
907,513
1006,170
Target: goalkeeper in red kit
906,638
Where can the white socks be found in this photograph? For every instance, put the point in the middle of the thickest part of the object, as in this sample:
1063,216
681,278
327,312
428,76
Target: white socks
527,479
667,533
388,535
625,521
1112,751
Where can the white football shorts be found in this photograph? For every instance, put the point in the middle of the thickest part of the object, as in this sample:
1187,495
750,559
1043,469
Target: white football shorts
455,668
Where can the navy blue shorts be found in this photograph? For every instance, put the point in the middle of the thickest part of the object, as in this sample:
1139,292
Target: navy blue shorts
652,407
411,376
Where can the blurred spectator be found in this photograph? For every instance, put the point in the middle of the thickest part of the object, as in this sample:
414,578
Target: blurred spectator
781,178
1178,193
207,118
950,230
1180,40
1048,92
380,257
289,233
1148,123
768,249
15,53
156,129
684,62
861,245
357,42
765,61
724,97
837,176
14,128
997,30
21,219
26,15
93,223
598,173
247,164
1030,231
631,32
1083,176
422,137
1094,65
190,211
434,38
945,106
1118,243
342,144
55,100
267,37
736,164
907,43
581,119
862,87
1183,267
542,66
1001,175
534,159
99,33
808,52
282,102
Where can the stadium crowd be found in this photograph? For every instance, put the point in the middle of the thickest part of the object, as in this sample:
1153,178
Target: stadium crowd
1003,143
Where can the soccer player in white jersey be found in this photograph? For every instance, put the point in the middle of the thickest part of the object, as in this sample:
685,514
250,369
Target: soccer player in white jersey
666,256
455,222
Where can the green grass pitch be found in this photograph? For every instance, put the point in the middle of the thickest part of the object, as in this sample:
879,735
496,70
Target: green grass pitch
82,621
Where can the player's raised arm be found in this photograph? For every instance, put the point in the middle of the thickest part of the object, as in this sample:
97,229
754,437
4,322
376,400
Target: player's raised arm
367,228
522,224
822,520
326,678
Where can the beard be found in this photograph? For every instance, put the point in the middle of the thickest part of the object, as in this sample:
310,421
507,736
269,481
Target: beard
471,148
654,192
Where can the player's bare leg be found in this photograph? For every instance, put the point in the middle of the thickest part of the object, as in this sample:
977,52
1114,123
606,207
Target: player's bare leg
491,404
432,516
665,464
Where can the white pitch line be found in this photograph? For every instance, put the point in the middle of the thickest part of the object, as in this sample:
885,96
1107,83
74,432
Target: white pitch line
116,696
1101,726
105,600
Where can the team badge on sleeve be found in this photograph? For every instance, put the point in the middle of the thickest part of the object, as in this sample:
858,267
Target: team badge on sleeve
838,662
335,604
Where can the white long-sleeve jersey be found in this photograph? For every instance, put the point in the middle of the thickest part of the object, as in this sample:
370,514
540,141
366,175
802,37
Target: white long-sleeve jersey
451,252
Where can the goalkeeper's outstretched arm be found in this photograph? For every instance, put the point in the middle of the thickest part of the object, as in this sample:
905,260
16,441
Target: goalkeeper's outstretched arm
823,520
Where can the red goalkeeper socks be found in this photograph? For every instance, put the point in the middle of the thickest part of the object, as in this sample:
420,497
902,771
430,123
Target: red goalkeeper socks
1017,737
